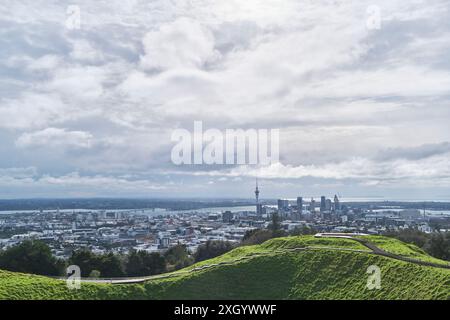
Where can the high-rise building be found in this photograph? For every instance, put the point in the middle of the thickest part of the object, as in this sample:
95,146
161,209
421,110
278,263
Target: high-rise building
323,204
328,205
312,206
337,204
300,205
283,205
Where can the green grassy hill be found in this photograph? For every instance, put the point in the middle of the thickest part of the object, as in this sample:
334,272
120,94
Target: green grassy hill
285,268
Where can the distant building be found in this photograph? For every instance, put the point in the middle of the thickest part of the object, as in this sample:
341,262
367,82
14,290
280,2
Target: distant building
227,216
213,216
410,213
283,205
425,228
300,205
328,205
260,209
323,204
163,242
337,204
312,206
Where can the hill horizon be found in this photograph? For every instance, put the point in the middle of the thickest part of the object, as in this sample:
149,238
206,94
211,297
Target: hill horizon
293,268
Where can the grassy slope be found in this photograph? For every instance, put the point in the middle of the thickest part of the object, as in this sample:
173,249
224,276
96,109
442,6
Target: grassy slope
311,274
274,245
403,249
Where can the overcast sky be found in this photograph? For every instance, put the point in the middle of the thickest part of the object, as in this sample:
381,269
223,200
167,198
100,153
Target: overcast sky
362,111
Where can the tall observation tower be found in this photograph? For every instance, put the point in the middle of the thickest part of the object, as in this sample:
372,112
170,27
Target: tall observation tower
258,207
257,192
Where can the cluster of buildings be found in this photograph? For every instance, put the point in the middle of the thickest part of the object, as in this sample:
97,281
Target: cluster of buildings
154,230
326,209
330,215
121,231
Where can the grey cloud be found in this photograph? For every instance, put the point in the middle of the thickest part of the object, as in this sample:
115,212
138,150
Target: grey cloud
415,153
337,90
235,35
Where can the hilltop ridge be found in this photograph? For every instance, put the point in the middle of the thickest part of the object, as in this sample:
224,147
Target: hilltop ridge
302,267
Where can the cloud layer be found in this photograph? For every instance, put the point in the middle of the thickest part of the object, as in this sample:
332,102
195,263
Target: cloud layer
91,110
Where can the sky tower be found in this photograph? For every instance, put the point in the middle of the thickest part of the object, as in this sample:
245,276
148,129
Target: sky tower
257,192
258,206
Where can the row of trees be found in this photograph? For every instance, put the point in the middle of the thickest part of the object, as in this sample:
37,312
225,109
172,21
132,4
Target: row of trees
35,257
110,265
31,257
436,244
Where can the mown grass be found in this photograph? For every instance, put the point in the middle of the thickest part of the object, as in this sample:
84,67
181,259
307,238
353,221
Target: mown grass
311,241
273,274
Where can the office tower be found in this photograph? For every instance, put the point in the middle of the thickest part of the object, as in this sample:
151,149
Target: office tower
323,204
283,205
300,205
328,205
337,204
312,206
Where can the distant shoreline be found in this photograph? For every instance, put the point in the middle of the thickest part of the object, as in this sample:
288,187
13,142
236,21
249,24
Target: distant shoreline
165,206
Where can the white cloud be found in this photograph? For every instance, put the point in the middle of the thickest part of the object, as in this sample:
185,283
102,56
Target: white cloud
31,110
83,51
18,172
98,181
184,43
55,137
433,168
406,81
77,83
45,63
74,183
340,93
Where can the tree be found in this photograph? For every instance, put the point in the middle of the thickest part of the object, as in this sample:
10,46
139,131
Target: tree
135,265
256,236
155,262
439,246
178,257
275,226
212,249
31,256
111,266
303,230
436,244
141,263
95,274
410,235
